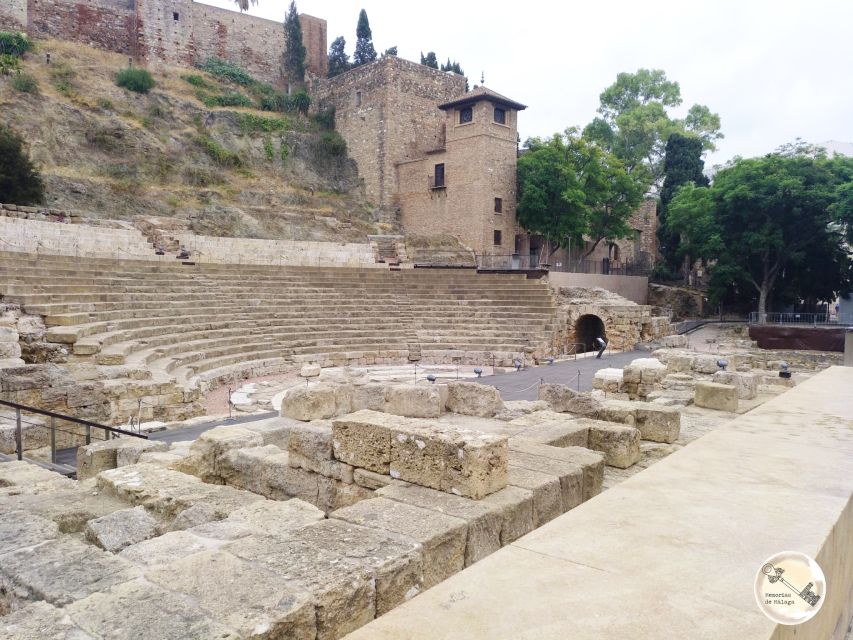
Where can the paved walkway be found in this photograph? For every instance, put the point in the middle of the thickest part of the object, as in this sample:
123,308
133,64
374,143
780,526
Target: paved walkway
522,385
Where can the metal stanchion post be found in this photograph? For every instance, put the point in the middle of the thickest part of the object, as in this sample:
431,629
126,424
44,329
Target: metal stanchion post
19,436
88,434
579,381
53,440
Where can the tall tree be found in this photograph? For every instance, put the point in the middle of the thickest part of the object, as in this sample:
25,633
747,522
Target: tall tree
429,60
391,51
294,53
571,190
634,123
774,227
20,182
244,4
338,58
364,51
682,165
454,66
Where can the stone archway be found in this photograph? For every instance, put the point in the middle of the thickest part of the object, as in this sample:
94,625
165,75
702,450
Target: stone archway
587,328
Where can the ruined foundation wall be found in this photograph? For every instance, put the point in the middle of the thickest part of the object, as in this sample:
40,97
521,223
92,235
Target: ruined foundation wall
13,15
106,24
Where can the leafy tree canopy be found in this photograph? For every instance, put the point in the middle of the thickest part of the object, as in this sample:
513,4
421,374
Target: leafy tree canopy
429,60
20,182
338,58
364,51
294,54
634,122
454,66
391,51
571,190
244,4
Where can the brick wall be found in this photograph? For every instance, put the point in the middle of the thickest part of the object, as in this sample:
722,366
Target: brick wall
180,32
13,15
388,113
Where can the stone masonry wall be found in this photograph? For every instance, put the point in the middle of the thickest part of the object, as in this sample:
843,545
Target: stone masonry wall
388,113
13,15
180,32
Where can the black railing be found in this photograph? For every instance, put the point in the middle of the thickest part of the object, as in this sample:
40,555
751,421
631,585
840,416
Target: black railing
605,267
109,432
507,261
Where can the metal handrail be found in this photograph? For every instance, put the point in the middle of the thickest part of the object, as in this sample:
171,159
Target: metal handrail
80,421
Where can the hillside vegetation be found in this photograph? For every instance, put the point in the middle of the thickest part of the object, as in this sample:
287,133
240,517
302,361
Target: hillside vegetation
195,148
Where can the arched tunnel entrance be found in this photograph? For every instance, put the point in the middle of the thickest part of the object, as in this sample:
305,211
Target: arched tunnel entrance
587,329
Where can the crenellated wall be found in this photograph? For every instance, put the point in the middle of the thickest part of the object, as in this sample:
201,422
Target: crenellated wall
179,32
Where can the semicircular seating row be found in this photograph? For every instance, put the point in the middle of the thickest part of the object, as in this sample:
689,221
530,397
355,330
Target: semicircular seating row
204,324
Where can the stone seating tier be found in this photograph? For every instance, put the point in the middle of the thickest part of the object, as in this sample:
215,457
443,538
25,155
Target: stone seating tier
204,324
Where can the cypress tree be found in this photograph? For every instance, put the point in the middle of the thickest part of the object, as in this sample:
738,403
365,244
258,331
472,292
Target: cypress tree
429,60
294,54
338,58
20,182
364,51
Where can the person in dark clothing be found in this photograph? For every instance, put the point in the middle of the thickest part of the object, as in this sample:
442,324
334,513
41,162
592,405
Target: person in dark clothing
602,345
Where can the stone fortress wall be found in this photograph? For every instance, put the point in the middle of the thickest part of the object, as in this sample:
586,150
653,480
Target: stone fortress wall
388,113
180,32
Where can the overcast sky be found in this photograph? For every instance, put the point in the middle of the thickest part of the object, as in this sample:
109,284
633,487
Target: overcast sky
774,71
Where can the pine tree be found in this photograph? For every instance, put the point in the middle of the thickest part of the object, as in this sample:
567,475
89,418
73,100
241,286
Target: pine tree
391,51
429,60
454,66
364,51
294,54
338,58
20,182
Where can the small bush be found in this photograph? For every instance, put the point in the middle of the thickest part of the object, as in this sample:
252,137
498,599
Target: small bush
332,145
20,182
301,101
106,139
250,123
232,99
62,75
9,64
14,44
325,119
284,152
201,176
269,149
25,83
105,104
136,80
227,71
198,81
280,101
219,154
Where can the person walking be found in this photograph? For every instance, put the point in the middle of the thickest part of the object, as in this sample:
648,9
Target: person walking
602,345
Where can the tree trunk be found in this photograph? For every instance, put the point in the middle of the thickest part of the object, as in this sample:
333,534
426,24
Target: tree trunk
762,303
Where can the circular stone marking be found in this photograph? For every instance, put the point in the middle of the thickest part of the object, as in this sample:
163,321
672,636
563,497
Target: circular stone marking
790,588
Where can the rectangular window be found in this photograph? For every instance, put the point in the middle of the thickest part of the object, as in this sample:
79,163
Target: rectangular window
176,16
358,98
438,180
499,205
466,114
500,115
497,237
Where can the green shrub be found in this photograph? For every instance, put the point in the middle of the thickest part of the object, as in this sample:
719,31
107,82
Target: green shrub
284,152
25,83
105,104
14,44
332,145
232,99
61,74
9,64
20,182
325,119
280,101
136,80
106,139
301,101
201,176
223,69
251,123
219,154
198,81
269,149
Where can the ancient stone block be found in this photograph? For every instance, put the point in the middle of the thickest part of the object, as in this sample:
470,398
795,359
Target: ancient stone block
333,494
94,458
550,427
657,423
363,439
616,411
414,401
581,471
711,395
608,380
244,468
117,530
620,444
515,506
368,396
19,529
546,490
442,537
313,402
473,399
746,383
312,440
371,479
37,621
129,450
168,548
281,480
204,459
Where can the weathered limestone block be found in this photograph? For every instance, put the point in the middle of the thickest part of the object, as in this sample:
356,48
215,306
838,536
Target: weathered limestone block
711,395
516,508
706,363
335,494
368,396
168,548
245,596
745,383
589,463
37,621
244,468
674,341
206,453
273,431
344,595
63,570
546,489
309,370
413,401
619,411
679,382
473,399
641,376
277,518
363,439
620,444
313,402
657,423
608,380
394,561
129,450
117,530
442,537
372,480
33,435
280,480
312,440
19,529
550,427
564,399
96,457
328,468
485,521
157,613
194,516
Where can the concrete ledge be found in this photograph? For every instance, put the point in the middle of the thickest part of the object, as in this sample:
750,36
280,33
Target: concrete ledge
673,551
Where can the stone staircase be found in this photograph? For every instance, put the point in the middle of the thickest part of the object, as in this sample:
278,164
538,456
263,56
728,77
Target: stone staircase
390,250
199,326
